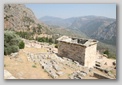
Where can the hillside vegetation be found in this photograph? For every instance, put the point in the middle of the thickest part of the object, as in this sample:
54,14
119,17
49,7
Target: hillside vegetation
12,43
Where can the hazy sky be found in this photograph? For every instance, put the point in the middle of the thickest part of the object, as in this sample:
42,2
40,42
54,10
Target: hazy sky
73,10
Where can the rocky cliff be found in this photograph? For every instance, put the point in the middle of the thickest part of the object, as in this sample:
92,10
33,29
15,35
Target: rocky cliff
19,18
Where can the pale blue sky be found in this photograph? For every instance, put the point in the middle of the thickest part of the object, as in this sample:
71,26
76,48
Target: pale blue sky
73,10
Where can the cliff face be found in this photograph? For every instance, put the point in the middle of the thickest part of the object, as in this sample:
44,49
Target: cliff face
18,17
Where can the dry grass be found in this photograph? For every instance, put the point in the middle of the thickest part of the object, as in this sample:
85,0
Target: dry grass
21,68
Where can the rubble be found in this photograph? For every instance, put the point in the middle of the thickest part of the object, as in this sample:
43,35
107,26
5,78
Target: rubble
78,75
53,64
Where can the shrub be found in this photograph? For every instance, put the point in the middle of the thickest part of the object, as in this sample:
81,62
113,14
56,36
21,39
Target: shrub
40,39
50,40
112,56
10,49
34,66
14,48
26,35
56,41
106,52
12,42
43,39
6,51
109,54
21,45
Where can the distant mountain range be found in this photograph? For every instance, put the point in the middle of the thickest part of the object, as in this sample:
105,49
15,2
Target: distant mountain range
57,21
97,27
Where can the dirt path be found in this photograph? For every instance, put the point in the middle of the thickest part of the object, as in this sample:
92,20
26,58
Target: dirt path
21,68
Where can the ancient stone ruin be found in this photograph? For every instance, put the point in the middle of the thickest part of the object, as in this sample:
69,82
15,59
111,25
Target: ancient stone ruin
80,50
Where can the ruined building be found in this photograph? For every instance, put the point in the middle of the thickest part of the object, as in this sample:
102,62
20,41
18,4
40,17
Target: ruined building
80,50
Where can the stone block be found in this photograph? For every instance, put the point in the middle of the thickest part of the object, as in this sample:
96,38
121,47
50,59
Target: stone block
56,67
60,73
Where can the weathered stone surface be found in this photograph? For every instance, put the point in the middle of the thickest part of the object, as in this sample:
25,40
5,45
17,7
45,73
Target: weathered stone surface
8,75
56,67
100,76
82,73
78,75
82,52
14,55
53,74
60,73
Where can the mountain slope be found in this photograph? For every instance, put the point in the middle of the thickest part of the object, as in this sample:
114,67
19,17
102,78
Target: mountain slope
97,27
106,34
18,17
55,21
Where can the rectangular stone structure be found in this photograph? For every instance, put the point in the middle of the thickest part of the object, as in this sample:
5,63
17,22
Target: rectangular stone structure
80,50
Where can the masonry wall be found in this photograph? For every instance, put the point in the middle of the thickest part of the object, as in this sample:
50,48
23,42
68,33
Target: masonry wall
72,51
90,55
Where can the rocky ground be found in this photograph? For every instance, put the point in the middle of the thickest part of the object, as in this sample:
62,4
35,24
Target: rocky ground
40,61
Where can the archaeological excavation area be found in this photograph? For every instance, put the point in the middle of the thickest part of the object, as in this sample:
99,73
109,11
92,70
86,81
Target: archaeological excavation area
43,61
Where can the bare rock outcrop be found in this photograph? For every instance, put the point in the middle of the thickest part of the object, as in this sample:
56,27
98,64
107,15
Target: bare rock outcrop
18,17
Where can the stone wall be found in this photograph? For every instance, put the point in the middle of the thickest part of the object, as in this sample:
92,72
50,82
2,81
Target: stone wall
90,55
75,52
86,56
